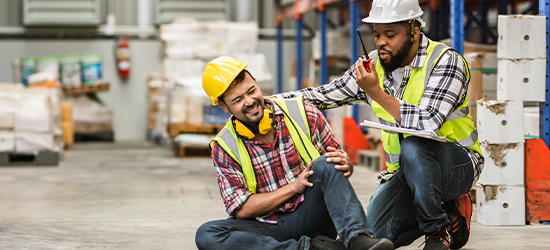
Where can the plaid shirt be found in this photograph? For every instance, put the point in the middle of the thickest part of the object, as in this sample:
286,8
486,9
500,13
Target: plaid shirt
274,165
446,91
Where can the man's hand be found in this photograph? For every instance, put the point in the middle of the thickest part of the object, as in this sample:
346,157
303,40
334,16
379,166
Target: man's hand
299,185
367,80
338,157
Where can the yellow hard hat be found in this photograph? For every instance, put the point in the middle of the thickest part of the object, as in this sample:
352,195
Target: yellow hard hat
219,74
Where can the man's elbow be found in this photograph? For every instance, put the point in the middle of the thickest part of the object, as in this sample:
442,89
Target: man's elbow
242,214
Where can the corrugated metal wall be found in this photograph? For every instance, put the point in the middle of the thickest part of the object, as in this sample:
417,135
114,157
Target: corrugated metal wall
10,12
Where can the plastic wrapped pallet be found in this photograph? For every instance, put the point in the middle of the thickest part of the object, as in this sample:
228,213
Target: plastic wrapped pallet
7,141
32,142
188,101
36,116
7,120
189,38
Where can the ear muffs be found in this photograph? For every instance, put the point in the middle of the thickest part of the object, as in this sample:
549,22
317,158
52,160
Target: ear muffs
249,132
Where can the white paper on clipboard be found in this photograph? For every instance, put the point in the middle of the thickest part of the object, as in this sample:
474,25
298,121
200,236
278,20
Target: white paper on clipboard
420,133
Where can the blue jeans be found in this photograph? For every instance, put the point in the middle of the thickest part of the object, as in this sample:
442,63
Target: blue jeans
409,204
330,208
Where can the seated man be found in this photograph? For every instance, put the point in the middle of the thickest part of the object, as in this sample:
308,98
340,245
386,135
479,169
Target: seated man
278,191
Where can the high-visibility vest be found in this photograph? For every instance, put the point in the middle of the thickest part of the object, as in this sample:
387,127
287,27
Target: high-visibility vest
296,121
458,126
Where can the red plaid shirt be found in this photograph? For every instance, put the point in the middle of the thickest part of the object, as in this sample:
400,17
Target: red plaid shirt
274,165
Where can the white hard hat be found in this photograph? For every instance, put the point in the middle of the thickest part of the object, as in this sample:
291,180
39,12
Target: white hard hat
392,11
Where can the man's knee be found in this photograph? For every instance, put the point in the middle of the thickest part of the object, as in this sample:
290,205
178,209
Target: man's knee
204,236
412,148
321,165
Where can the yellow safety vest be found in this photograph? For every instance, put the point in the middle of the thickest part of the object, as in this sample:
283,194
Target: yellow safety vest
296,121
458,127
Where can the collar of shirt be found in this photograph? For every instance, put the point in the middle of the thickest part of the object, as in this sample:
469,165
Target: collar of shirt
275,108
417,62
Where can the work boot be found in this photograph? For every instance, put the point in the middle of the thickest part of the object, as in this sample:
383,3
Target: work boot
438,240
363,241
322,242
459,212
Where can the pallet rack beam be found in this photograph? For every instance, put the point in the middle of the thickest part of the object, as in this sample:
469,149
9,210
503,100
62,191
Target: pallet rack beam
457,26
354,20
279,24
323,62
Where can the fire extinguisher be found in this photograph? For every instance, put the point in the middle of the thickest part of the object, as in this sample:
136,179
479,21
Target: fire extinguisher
123,57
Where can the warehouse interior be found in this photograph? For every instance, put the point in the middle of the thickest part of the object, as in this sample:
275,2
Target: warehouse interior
105,127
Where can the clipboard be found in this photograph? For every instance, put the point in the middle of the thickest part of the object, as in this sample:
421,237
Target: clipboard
420,133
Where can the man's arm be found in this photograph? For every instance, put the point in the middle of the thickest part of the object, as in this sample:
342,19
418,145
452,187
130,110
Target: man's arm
239,201
445,91
369,82
342,91
324,140
263,203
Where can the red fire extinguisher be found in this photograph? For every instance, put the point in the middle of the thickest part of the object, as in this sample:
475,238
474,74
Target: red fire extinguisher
123,57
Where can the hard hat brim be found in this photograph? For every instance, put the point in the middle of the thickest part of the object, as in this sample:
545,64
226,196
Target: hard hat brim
388,20
243,66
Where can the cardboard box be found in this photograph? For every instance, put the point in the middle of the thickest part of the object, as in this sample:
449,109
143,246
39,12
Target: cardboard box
68,132
504,164
31,142
500,205
500,121
523,80
521,37
489,61
531,121
66,112
7,141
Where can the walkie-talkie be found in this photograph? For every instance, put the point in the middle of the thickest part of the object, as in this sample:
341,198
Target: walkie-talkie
366,63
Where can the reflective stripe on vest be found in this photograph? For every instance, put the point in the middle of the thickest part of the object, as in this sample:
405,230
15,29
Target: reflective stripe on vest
296,121
458,125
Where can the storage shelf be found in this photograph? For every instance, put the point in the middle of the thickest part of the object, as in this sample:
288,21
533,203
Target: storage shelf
86,89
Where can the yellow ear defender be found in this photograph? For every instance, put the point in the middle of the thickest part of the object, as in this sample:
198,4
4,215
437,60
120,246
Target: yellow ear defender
249,132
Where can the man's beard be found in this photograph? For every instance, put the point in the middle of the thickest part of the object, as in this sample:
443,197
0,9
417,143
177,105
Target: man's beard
397,60
252,120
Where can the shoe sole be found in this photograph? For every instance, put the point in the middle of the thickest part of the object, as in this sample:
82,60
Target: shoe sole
383,244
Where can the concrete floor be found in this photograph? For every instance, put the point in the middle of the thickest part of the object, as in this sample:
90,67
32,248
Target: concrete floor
138,196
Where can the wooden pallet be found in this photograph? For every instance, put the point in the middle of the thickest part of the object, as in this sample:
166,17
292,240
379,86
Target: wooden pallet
106,136
43,158
184,151
174,129
90,128
91,88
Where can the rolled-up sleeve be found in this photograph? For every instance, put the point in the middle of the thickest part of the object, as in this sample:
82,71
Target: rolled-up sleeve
342,91
231,180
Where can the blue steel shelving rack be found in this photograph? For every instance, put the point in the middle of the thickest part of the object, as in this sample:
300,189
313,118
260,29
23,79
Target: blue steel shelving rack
295,10
544,132
457,42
